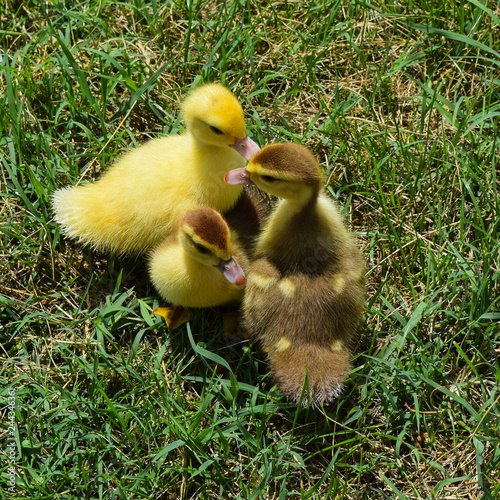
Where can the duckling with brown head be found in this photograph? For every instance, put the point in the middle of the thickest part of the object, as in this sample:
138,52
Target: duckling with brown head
305,287
199,265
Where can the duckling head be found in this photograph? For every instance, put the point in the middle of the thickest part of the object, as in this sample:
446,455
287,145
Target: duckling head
214,117
285,170
206,237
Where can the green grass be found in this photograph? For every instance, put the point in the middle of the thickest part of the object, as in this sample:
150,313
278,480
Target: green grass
401,104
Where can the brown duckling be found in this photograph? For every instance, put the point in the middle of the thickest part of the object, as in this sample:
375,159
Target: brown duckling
305,286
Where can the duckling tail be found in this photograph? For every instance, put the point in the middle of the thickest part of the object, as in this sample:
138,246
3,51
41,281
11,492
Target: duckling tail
325,368
92,216
81,214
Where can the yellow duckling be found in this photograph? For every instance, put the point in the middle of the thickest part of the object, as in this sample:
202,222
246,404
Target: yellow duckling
305,287
142,198
195,266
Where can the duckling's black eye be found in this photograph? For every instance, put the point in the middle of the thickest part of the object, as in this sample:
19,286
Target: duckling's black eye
267,178
216,130
201,248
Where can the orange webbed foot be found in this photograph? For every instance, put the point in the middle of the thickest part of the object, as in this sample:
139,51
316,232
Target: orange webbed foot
174,316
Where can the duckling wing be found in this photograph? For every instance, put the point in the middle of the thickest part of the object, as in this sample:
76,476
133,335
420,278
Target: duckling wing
305,325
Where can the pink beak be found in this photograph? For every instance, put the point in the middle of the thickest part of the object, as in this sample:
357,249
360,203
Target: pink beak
238,176
246,147
232,272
